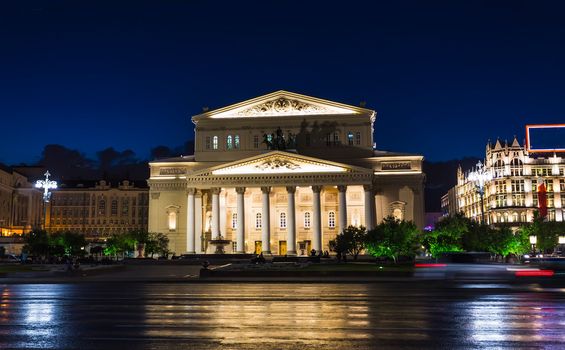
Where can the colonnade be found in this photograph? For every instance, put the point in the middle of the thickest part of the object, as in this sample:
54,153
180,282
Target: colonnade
369,204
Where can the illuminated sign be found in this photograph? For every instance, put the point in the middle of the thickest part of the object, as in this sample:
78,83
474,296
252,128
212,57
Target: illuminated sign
545,138
396,166
172,171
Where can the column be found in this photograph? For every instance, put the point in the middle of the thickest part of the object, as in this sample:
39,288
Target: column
240,240
216,212
190,239
291,224
342,223
368,206
317,216
198,221
266,222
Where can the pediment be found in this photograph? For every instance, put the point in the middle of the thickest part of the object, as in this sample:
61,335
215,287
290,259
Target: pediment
283,103
278,162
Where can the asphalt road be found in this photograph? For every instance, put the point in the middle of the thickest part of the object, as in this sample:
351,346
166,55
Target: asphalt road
439,314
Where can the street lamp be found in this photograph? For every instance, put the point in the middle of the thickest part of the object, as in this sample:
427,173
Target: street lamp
561,244
46,185
533,241
480,177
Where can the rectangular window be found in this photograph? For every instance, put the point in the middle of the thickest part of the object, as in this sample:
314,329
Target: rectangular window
236,141
215,142
328,139
282,220
256,141
331,219
350,138
517,186
357,138
562,185
336,138
307,217
208,142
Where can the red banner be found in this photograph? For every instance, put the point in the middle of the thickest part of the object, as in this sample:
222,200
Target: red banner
542,201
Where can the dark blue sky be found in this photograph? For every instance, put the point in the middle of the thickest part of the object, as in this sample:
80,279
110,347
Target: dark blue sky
444,76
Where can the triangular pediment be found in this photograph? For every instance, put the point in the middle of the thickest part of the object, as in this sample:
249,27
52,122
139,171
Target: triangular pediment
282,103
278,162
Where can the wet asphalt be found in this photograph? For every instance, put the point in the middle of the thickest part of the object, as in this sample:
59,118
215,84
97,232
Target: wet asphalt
392,315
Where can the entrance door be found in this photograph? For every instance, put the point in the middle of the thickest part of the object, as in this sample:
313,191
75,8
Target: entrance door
308,247
282,247
258,247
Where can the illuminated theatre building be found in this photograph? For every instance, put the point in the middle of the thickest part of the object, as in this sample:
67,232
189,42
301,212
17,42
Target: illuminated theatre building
511,196
280,174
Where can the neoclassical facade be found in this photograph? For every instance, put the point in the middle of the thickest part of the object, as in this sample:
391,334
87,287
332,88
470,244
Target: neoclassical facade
281,174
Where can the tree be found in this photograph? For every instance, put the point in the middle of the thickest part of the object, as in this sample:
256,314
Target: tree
393,238
499,241
350,241
37,243
157,243
447,235
67,244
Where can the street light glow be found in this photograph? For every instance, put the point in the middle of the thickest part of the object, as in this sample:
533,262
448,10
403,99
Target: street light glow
46,185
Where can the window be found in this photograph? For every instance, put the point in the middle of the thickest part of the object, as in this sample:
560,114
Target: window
282,221
114,208
500,200
328,139
500,186
215,142
258,221
236,142
336,138
518,199
350,138
172,221
234,220
307,219
541,171
101,206
331,219
229,142
256,141
516,167
517,185
562,185
357,138
499,168
208,143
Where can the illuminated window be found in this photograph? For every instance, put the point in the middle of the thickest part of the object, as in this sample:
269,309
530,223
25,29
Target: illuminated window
282,223
357,138
114,207
307,219
229,142
215,142
350,138
336,138
331,219
256,141
208,142
101,206
562,185
499,168
236,141
516,167
258,221
517,185
270,137
172,221
234,220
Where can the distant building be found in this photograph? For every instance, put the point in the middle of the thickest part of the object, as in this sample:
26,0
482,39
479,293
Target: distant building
98,209
21,204
511,196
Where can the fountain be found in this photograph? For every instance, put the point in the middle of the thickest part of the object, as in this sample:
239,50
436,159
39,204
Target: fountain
219,242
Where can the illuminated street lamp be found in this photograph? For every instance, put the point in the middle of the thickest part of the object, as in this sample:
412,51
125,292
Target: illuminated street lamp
46,185
533,241
480,177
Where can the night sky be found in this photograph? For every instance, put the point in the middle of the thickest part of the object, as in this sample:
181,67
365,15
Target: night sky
444,77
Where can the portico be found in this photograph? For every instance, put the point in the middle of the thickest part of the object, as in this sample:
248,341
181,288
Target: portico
281,192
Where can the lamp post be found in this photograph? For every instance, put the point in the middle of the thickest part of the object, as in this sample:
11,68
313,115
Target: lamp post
480,177
533,241
561,244
46,185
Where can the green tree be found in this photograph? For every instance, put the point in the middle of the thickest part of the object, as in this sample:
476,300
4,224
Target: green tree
393,238
157,243
350,241
447,237
67,244
37,243
499,241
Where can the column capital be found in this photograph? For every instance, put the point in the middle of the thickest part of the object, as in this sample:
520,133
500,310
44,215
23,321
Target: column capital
317,188
266,189
240,190
290,189
342,188
215,190
190,191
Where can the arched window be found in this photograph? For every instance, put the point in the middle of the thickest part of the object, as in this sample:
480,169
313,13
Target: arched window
229,142
172,221
236,141
307,219
331,219
282,221
258,221
499,168
350,138
215,142
516,167
234,220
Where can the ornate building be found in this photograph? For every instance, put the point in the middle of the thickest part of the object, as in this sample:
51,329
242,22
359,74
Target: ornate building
98,209
281,174
21,205
511,195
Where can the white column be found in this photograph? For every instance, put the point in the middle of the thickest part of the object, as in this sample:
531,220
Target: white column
190,224
216,212
198,221
342,223
368,206
317,216
291,225
240,240
266,222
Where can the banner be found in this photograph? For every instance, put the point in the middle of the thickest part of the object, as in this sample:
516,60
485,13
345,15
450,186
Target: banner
542,201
